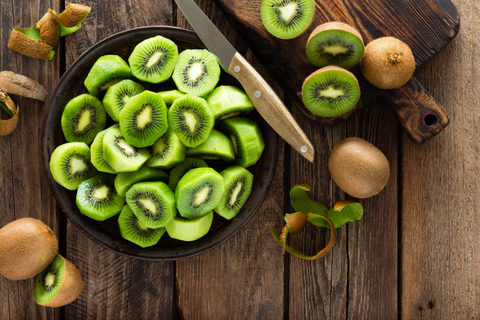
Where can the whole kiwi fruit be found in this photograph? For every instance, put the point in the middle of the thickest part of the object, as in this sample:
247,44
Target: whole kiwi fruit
358,167
387,63
27,246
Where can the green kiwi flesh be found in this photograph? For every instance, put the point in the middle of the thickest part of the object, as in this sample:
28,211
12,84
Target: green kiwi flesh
120,155
167,151
170,96
117,96
287,19
49,281
124,180
246,138
238,183
189,230
191,120
330,91
182,168
96,153
153,203
134,231
98,199
143,120
218,149
83,117
106,71
198,192
197,72
70,165
153,60
229,101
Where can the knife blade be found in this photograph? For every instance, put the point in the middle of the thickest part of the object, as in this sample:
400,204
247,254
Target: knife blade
263,97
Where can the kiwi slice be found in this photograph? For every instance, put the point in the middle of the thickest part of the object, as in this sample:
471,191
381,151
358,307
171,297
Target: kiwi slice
117,96
83,117
143,120
229,101
167,152
197,72
58,284
238,183
198,192
247,140
330,91
170,96
134,231
154,59
98,199
96,151
120,155
182,168
218,149
153,203
287,19
70,164
106,71
124,180
189,230
335,43
191,120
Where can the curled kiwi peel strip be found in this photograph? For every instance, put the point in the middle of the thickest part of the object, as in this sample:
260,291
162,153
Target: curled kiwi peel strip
7,126
293,222
73,15
297,224
344,211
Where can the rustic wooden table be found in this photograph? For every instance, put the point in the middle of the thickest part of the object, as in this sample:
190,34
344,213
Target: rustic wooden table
413,255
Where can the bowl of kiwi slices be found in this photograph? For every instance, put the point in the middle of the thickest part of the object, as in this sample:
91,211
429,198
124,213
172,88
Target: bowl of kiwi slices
152,150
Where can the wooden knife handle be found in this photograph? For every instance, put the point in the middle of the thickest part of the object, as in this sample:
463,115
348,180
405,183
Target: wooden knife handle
420,114
270,107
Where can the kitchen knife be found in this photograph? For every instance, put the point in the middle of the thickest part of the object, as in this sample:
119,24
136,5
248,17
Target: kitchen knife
265,100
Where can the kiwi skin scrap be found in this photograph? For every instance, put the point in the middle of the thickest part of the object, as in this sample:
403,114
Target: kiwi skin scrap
73,15
49,31
30,47
27,246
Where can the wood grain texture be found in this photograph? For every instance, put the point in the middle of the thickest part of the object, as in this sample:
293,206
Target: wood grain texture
24,188
440,240
117,287
243,278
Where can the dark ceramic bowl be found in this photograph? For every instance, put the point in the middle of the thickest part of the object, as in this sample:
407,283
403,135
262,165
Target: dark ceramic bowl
107,233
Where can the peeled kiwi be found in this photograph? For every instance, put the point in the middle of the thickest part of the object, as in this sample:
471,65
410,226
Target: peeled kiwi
218,149
330,92
167,151
287,19
182,168
229,101
387,63
96,154
27,246
189,230
134,231
124,180
118,95
106,71
335,43
358,167
170,96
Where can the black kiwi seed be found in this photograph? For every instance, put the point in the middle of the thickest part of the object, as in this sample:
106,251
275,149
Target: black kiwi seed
144,233
338,58
199,189
124,93
44,284
294,19
240,180
158,65
78,174
183,123
91,190
199,78
131,154
138,112
76,119
145,211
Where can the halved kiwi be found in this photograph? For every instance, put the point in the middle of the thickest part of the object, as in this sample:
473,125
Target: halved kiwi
198,192
287,19
124,180
144,119
153,60
134,231
106,71
96,153
335,43
229,101
182,168
167,151
59,284
330,92
117,96
83,117
153,203
191,120
197,72
70,165
238,183
98,199
217,149
189,230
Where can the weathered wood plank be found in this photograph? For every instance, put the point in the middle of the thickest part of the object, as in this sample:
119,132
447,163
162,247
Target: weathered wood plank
117,287
440,237
24,188
242,278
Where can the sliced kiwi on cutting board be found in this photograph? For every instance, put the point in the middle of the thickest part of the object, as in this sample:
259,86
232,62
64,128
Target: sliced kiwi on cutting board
189,230
134,231
218,149
124,180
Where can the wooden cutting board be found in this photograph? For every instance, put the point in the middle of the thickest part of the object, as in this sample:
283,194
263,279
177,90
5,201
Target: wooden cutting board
425,25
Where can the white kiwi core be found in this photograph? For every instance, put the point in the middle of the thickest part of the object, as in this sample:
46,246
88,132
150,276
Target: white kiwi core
154,59
101,193
84,120
127,148
49,279
77,165
289,11
336,49
149,205
195,71
191,120
201,196
236,191
331,92
144,118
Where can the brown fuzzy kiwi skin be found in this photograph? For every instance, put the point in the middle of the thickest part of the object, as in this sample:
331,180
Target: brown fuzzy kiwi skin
331,120
30,47
74,14
27,247
335,25
387,63
70,289
49,31
359,168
